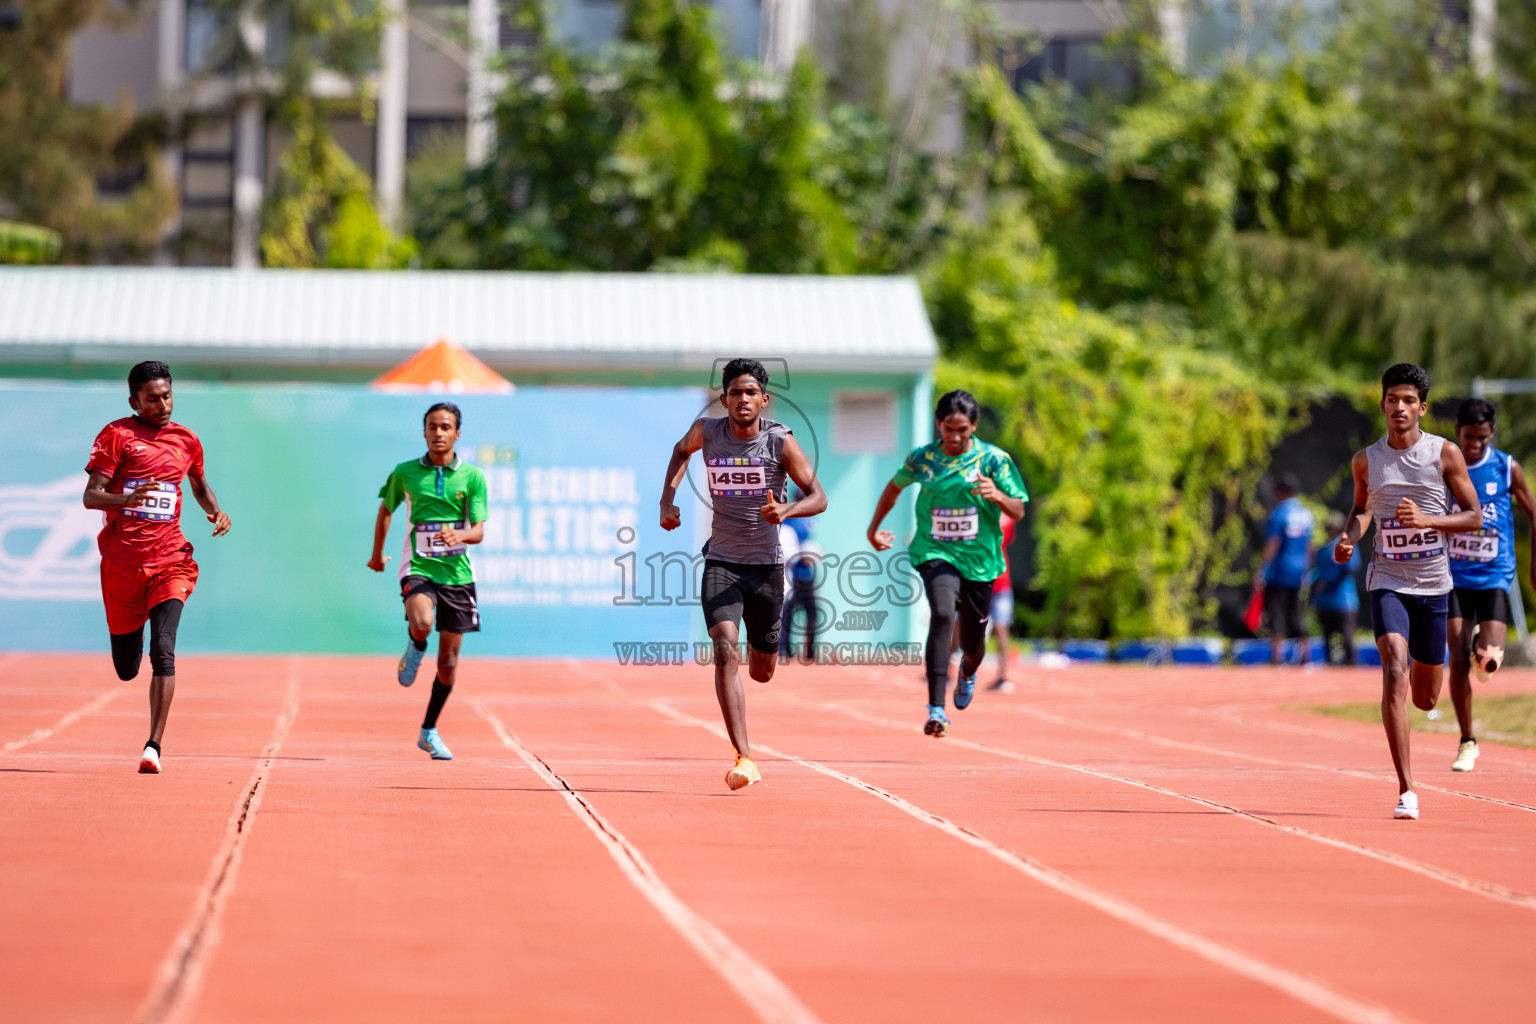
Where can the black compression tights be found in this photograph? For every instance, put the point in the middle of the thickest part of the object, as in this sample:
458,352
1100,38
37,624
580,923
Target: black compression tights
951,597
128,648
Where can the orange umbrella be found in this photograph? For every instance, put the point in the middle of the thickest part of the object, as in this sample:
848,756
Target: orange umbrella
443,366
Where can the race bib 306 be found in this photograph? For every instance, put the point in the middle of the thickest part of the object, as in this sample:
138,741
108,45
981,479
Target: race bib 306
955,523
1477,546
737,477
1406,543
430,545
163,506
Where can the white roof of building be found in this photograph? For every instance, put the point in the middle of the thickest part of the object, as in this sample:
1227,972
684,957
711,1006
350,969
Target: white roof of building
511,320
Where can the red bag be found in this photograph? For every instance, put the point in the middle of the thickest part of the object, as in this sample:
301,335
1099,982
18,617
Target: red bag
1253,618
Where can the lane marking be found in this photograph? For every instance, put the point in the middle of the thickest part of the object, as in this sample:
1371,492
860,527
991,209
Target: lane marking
768,997
181,972
1311,991
1490,890
37,735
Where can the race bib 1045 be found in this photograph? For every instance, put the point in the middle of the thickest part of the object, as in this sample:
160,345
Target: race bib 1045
737,477
430,545
955,523
1477,546
163,506
1406,543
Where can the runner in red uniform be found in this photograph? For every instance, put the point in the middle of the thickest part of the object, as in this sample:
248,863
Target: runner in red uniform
147,573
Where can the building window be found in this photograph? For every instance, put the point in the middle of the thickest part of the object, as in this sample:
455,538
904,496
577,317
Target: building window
863,422
207,42
1079,61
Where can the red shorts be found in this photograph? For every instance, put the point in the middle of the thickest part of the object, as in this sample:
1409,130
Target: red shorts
130,591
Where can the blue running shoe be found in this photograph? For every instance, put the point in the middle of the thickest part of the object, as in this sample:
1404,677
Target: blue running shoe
937,724
965,689
433,744
410,661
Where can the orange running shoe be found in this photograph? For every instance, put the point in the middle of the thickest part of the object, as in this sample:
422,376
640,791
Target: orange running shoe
743,774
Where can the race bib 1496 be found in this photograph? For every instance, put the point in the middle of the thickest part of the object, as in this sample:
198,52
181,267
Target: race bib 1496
737,477
955,523
430,545
1477,546
163,506
1405,543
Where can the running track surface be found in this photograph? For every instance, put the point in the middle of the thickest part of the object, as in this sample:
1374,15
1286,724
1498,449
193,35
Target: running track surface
1103,844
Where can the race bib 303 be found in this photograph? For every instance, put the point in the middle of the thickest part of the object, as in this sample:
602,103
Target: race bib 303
951,524
163,506
1406,543
430,545
737,477
1477,546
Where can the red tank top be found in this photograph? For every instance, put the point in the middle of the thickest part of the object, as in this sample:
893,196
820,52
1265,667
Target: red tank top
130,452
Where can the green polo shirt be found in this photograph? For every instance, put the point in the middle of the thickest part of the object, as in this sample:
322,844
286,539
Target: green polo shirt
953,525
436,496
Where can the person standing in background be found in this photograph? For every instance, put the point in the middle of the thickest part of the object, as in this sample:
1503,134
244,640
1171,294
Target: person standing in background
1002,610
1335,596
1287,557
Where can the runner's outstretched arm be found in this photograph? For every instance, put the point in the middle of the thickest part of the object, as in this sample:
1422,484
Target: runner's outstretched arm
1454,468
453,537
1359,514
380,531
801,472
1527,502
671,515
883,540
986,489
97,496
209,502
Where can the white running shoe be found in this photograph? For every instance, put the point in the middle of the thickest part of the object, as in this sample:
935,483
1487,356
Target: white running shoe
1466,756
149,762
1407,806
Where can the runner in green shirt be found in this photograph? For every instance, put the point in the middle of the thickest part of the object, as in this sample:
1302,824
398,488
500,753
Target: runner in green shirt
958,549
445,501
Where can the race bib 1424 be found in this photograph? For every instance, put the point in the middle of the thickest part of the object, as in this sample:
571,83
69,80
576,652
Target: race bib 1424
1477,546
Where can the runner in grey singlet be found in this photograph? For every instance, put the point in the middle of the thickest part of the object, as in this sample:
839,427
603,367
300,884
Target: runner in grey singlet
1406,560
739,474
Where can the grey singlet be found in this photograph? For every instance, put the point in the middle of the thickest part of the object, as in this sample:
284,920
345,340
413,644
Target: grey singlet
739,474
1406,560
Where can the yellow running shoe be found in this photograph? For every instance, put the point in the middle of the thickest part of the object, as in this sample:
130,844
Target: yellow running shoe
1466,756
743,774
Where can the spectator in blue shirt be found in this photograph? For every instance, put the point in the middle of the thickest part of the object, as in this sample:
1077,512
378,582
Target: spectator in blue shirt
1335,596
1287,557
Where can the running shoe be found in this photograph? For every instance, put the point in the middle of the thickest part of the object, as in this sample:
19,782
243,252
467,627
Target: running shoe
743,774
1466,756
1407,806
937,724
433,744
410,661
149,761
1001,686
965,689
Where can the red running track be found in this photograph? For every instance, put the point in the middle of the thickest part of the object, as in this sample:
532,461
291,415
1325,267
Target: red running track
1104,844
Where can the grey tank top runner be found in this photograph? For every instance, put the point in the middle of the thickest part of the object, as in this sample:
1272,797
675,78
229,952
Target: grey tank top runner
740,473
1406,560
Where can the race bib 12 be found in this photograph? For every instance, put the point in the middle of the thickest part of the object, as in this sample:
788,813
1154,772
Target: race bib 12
955,523
1406,543
163,505
737,477
1477,546
430,545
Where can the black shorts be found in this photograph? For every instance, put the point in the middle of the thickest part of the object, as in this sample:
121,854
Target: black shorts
1479,605
1419,619
1283,606
750,594
455,603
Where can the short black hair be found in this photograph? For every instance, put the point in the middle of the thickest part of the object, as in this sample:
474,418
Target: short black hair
962,402
1406,373
458,417
143,373
1475,411
742,368
1288,483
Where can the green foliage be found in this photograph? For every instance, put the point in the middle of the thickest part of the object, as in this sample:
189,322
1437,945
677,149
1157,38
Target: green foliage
661,152
52,152
1142,448
28,243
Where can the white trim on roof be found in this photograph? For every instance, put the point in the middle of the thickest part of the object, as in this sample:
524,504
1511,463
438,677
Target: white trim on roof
511,320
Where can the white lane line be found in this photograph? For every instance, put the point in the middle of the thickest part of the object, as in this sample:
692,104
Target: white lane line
1311,991
765,995
64,723
1490,890
181,972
